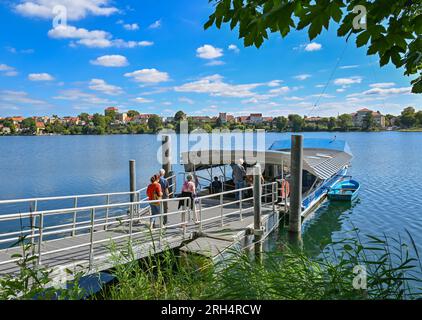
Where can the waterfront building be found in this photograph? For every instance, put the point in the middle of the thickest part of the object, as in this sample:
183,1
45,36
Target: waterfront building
222,117
359,117
256,118
40,128
111,111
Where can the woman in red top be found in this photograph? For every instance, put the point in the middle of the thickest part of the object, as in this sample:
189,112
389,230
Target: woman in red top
154,192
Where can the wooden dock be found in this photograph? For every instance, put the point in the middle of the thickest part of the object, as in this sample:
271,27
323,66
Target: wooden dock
224,223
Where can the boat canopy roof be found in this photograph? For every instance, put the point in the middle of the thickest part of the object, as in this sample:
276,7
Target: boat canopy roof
321,161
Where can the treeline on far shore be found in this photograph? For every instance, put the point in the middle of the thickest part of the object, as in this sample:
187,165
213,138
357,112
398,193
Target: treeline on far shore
408,120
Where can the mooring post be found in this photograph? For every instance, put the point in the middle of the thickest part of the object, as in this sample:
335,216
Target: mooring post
295,214
257,204
132,179
166,162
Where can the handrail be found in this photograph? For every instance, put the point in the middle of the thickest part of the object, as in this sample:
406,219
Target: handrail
79,196
71,210
93,224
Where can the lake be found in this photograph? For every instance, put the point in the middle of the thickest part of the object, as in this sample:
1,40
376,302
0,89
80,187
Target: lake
387,164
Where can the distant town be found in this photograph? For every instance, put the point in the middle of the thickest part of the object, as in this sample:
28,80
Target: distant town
132,122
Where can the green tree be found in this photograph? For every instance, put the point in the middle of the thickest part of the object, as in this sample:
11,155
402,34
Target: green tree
296,122
110,113
207,128
179,116
332,123
84,117
99,120
393,28
9,124
407,118
345,121
132,113
155,123
281,123
418,116
29,125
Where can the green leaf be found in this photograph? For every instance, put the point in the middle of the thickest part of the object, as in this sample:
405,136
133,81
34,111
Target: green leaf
362,38
417,85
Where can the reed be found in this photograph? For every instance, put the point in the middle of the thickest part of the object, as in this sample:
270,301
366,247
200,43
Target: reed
393,271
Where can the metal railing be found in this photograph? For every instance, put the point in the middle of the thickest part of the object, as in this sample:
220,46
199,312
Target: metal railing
106,198
88,223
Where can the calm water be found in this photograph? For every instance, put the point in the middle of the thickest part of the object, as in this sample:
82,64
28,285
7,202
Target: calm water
388,166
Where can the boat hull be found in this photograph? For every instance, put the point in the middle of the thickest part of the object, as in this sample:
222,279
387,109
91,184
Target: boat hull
344,191
314,200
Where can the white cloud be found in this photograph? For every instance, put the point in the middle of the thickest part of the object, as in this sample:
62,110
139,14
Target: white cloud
302,77
215,63
77,95
389,91
155,25
111,61
349,67
280,90
131,26
145,43
313,46
215,86
347,81
186,100
8,71
15,51
208,51
148,76
75,9
293,98
101,85
234,48
274,83
94,38
143,100
40,77
11,96
382,85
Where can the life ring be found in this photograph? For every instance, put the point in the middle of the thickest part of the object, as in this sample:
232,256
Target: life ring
285,189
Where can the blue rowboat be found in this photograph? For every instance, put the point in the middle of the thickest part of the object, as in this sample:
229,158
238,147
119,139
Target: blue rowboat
346,190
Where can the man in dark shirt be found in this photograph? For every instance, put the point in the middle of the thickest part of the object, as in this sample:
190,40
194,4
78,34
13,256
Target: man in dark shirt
216,186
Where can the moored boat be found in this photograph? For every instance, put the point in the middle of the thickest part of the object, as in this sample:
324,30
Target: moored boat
346,190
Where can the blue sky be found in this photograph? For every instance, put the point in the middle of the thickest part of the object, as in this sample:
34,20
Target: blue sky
154,56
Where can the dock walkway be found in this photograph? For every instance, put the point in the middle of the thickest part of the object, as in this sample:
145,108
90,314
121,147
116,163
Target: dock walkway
86,239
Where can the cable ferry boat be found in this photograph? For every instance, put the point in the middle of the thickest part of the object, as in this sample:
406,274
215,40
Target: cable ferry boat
325,164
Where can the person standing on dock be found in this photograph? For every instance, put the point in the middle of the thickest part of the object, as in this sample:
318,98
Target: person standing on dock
154,193
239,175
165,189
189,191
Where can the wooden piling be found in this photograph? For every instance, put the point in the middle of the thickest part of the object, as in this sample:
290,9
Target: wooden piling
166,154
257,204
166,161
132,180
295,211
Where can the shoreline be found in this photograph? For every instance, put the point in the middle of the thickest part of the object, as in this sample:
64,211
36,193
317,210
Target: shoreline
150,133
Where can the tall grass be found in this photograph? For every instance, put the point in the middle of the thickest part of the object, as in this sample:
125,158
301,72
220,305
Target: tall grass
393,271
393,267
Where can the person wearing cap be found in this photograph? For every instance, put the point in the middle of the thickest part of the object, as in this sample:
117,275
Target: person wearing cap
238,175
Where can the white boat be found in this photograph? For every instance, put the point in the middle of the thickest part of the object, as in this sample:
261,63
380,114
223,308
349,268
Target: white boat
325,163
